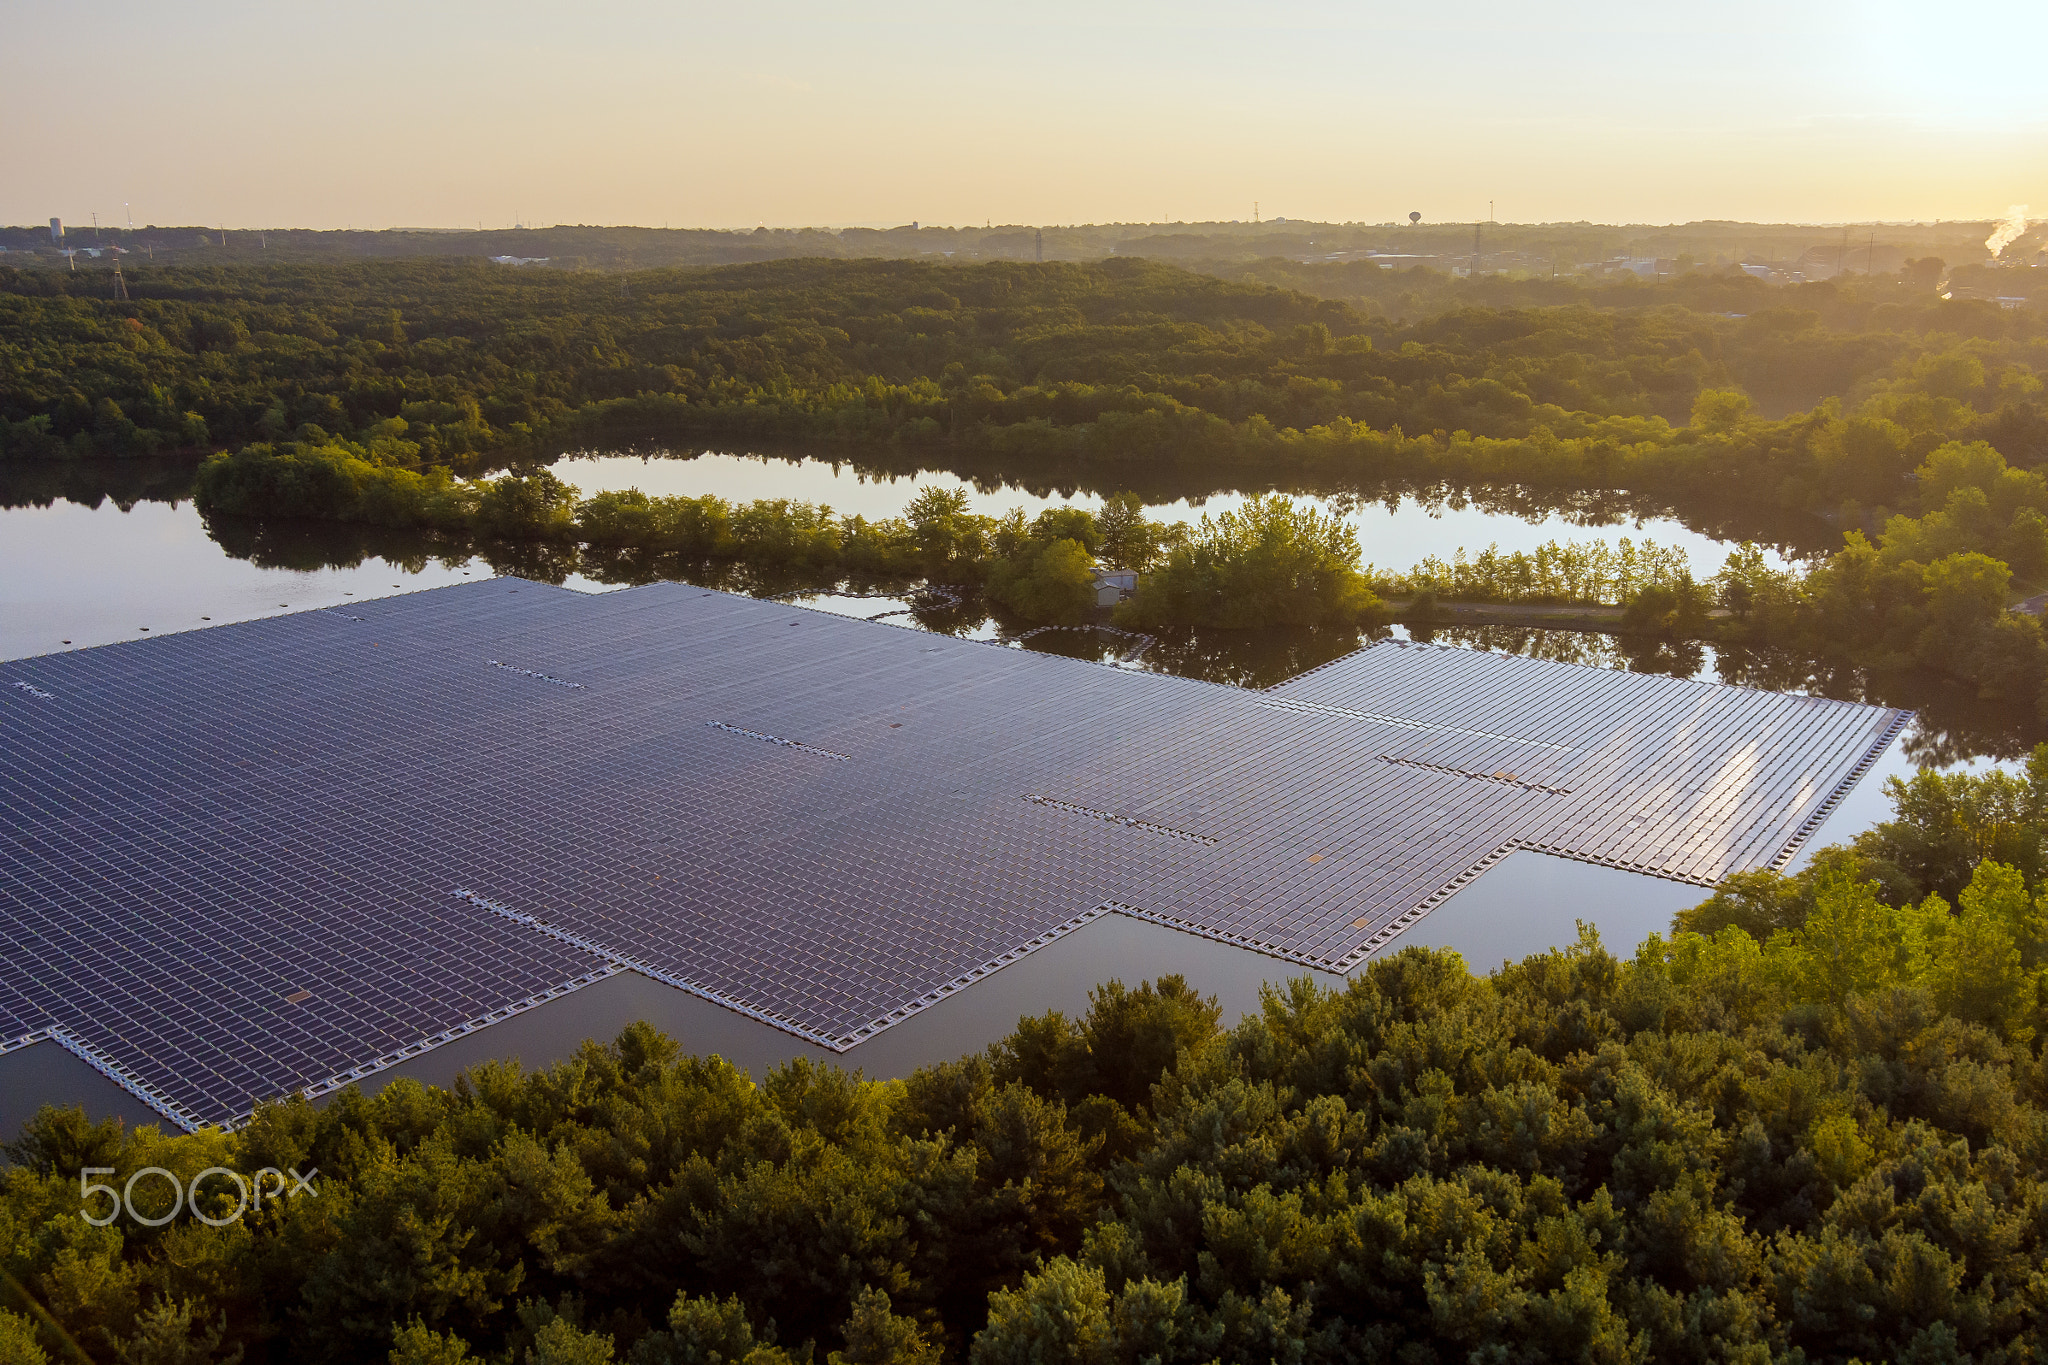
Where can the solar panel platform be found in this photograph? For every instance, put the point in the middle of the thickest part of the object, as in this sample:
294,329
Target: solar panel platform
281,855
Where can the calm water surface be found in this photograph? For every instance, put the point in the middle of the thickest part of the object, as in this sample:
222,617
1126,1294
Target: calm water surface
92,555
74,576
1396,531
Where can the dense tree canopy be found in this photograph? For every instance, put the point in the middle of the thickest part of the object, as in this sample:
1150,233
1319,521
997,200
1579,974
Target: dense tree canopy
1271,562
1811,1125
1123,361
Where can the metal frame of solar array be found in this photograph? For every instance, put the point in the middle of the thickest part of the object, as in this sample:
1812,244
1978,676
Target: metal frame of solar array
282,855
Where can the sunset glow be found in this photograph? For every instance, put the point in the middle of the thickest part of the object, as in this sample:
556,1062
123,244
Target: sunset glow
452,114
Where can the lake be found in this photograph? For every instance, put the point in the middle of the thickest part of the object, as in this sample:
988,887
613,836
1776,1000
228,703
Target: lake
1395,528
93,553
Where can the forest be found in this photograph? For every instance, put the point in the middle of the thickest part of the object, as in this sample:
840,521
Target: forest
1220,248
1131,363
1808,1125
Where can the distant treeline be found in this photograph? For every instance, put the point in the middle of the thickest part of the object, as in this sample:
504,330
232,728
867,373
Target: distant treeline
1121,363
1215,247
1811,1125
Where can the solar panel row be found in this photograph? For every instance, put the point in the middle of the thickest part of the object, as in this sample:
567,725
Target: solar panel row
277,855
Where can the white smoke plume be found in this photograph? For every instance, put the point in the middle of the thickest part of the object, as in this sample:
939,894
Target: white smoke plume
2008,231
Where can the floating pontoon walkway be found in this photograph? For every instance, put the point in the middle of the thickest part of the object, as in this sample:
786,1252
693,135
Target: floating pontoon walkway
281,855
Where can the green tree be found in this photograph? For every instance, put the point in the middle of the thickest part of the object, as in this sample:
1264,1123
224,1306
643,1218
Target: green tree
1849,945
417,1344
18,1344
876,1336
62,1142
559,1343
1129,539
1270,562
171,1333
1759,903
1060,1314
1720,411
1056,584
1676,610
946,533
538,506
1970,961
705,1331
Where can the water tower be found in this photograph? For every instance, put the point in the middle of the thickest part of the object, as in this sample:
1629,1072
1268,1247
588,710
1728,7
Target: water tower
1413,219
57,231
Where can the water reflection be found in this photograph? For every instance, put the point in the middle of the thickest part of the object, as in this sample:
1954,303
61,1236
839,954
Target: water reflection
878,482
1398,522
72,577
95,551
1592,648
306,545
90,483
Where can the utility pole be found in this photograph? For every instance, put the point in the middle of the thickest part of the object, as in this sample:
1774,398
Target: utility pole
1476,256
120,281
1255,213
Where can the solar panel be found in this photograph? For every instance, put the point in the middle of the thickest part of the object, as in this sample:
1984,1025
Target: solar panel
283,854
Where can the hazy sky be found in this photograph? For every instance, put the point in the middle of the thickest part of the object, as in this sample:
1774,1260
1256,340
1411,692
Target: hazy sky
430,113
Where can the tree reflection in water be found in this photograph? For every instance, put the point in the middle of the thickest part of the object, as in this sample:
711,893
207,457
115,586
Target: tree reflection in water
1954,725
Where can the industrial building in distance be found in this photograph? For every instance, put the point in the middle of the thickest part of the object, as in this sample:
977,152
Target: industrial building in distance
286,855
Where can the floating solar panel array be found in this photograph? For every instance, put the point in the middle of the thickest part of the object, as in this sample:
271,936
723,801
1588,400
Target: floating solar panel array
280,855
